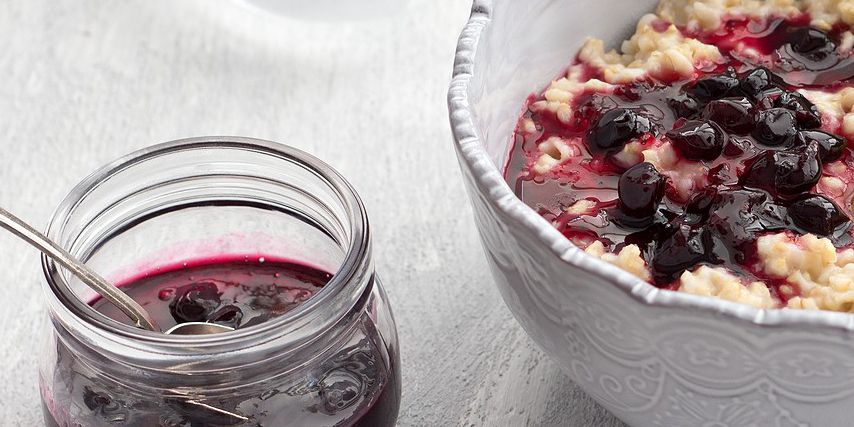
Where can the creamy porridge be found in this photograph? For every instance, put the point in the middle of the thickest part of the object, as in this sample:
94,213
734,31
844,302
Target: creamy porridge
709,153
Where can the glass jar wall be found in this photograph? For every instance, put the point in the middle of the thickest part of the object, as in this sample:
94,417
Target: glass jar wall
331,360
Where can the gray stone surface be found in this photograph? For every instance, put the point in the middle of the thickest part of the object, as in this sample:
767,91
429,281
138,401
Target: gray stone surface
85,81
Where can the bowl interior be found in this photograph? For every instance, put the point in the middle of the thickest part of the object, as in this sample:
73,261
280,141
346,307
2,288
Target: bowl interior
527,44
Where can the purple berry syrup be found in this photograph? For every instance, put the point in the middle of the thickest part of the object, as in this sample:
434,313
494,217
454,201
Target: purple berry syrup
240,291
234,291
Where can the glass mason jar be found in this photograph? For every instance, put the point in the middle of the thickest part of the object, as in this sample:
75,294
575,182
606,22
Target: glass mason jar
331,361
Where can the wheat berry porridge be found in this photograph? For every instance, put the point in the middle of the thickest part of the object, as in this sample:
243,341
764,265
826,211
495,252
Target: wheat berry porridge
710,153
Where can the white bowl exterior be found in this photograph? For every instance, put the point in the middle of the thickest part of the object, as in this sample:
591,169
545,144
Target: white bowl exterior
653,358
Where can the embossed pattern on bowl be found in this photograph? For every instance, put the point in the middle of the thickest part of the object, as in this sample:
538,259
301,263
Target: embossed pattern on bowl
653,358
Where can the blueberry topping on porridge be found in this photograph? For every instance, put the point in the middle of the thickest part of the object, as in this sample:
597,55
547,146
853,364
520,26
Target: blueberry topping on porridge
640,191
615,128
683,247
817,214
736,115
775,127
806,113
757,81
710,154
785,173
830,146
714,87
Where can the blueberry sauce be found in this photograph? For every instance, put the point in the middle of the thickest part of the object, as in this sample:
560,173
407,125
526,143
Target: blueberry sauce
800,55
354,386
234,292
751,146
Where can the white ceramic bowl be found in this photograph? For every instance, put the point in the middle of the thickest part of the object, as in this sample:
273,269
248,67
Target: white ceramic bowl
652,357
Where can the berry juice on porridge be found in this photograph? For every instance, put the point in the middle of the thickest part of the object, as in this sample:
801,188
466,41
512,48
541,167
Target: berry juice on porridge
711,154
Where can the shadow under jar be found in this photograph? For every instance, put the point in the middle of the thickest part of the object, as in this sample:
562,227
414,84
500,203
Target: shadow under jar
308,349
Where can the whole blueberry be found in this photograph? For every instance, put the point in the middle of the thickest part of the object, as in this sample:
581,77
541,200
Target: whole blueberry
194,302
811,42
798,171
775,127
615,128
94,400
228,315
698,140
830,146
103,406
754,82
640,190
734,114
806,113
684,106
736,146
817,214
766,99
715,86
700,204
738,214
786,173
684,248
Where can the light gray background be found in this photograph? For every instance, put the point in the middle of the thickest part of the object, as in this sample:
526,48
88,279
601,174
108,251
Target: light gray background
83,82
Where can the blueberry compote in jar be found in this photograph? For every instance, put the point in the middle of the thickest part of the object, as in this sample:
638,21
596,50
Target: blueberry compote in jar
246,233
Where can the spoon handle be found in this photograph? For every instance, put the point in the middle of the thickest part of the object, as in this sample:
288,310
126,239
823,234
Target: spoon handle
118,298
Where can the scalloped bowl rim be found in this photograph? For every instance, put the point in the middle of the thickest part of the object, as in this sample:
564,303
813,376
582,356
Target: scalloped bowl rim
484,171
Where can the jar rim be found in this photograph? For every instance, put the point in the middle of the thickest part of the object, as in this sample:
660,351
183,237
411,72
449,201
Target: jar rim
355,264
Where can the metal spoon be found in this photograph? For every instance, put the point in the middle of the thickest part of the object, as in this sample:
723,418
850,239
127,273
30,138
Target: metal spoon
121,300
115,296
197,328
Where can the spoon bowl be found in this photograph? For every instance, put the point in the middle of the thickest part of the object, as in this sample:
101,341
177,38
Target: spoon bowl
197,328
